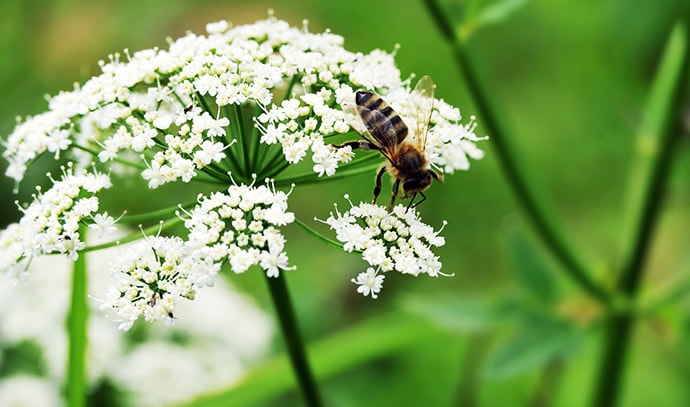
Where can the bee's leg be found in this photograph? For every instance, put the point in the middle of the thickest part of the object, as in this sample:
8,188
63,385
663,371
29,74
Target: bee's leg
362,144
409,205
417,204
377,187
394,194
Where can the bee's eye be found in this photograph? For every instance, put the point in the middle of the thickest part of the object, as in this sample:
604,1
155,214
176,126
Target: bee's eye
416,183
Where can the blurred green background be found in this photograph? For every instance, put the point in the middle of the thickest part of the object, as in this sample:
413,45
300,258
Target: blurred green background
570,78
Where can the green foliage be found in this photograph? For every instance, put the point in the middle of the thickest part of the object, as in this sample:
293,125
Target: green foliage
23,357
571,82
531,270
541,340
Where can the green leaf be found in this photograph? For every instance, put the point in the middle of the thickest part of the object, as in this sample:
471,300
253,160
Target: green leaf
530,268
498,11
459,314
543,340
655,131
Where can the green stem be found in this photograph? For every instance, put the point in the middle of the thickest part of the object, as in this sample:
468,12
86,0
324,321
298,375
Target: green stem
155,215
293,340
275,167
236,164
241,135
318,235
255,137
122,161
658,128
536,210
363,166
76,329
149,231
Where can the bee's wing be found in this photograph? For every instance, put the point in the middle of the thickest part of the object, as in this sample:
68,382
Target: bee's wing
353,119
423,97
374,127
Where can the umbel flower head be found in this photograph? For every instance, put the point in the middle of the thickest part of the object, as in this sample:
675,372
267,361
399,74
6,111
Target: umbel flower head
237,106
395,240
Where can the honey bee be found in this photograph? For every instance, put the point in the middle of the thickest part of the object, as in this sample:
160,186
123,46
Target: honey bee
385,131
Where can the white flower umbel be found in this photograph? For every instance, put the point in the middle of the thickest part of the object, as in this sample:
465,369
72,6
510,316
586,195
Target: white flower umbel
240,226
152,276
50,224
176,111
224,333
240,100
388,241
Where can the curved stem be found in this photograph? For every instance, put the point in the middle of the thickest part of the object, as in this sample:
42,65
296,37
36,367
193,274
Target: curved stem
318,235
535,210
151,230
293,340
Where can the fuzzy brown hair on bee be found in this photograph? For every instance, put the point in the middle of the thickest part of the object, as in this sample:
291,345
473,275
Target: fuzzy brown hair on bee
386,132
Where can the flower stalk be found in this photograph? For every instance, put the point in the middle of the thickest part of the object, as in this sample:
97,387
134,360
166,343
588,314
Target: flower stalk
293,340
77,323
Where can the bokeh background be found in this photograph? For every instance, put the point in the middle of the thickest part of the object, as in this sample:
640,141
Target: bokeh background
570,78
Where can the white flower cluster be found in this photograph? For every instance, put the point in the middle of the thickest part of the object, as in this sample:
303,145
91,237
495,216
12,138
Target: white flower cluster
50,224
395,240
174,108
218,349
300,125
206,107
240,226
151,277
303,122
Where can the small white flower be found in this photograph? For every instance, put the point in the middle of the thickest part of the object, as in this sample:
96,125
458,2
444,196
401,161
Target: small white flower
155,174
218,27
103,224
369,282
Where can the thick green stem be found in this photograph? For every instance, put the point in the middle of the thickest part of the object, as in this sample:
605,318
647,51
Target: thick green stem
293,340
536,211
76,330
658,130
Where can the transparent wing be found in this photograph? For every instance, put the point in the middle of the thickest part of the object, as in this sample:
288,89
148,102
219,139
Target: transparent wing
379,125
423,98
354,120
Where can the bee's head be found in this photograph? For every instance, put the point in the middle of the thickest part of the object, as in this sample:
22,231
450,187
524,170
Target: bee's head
416,183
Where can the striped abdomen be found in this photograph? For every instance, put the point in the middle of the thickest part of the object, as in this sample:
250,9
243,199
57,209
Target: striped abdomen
380,119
